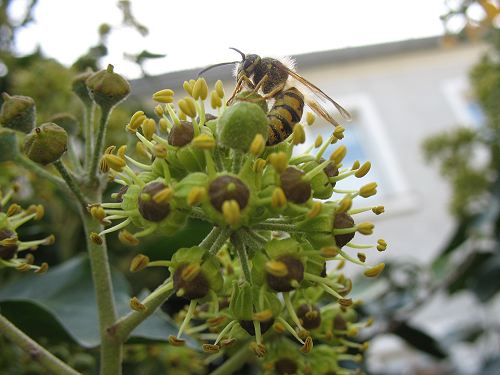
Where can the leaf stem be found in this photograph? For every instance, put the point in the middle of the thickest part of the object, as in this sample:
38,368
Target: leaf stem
242,255
35,351
121,330
41,172
88,124
99,141
70,181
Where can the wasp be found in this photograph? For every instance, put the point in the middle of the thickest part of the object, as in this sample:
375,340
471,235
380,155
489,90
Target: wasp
278,80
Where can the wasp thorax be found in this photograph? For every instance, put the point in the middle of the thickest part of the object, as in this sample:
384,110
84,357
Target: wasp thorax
284,273
248,326
285,366
150,208
18,112
8,250
181,134
309,315
227,188
296,189
342,221
46,144
190,282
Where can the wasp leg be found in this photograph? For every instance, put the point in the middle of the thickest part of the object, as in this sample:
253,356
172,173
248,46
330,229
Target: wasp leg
267,96
239,86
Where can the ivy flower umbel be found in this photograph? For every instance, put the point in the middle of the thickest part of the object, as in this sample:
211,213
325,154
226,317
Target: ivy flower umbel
269,273
11,247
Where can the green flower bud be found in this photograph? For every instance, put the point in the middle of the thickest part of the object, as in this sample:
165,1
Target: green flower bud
8,250
150,208
181,135
321,186
107,88
80,88
46,144
239,124
66,121
18,113
8,145
296,189
241,301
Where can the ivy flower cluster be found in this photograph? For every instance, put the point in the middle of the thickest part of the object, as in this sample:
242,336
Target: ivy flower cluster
12,216
269,274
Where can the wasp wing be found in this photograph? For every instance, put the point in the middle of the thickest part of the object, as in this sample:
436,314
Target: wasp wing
319,102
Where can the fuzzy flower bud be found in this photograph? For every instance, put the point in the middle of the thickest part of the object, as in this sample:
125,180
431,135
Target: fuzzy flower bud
8,145
80,88
18,113
107,88
46,144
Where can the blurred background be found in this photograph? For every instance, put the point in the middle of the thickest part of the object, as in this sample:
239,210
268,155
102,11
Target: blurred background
422,80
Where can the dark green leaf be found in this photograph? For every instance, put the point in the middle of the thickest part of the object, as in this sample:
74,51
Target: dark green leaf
418,339
62,302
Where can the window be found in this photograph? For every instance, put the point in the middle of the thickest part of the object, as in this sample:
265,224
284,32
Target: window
365,139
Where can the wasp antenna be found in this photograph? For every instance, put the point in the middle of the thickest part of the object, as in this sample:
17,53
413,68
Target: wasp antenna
215,66
241,53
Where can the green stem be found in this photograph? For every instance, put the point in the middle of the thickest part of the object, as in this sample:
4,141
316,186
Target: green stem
70,181
121,330
111,349
290,228
235,362
99,142
35,351
88,124
221,239
210,238
242,255
237,159
41,172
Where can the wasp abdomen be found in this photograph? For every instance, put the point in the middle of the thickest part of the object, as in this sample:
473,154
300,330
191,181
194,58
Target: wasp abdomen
284,114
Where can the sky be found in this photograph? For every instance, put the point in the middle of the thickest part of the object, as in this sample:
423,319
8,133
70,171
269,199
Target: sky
198,33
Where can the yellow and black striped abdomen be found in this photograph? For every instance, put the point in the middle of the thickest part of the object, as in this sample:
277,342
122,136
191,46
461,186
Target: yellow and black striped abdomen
284,114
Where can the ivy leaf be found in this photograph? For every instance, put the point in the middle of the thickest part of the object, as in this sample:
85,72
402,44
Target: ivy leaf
61,304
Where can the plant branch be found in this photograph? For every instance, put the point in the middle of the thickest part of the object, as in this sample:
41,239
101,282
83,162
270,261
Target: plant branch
111,350
290,228
242,255
99,141
121,330
35,351
210,238
88,124
72,184
221,239
41,172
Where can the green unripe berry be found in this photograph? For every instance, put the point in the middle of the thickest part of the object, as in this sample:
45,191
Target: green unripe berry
107,88
18,113
80,88
46,144
239,124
